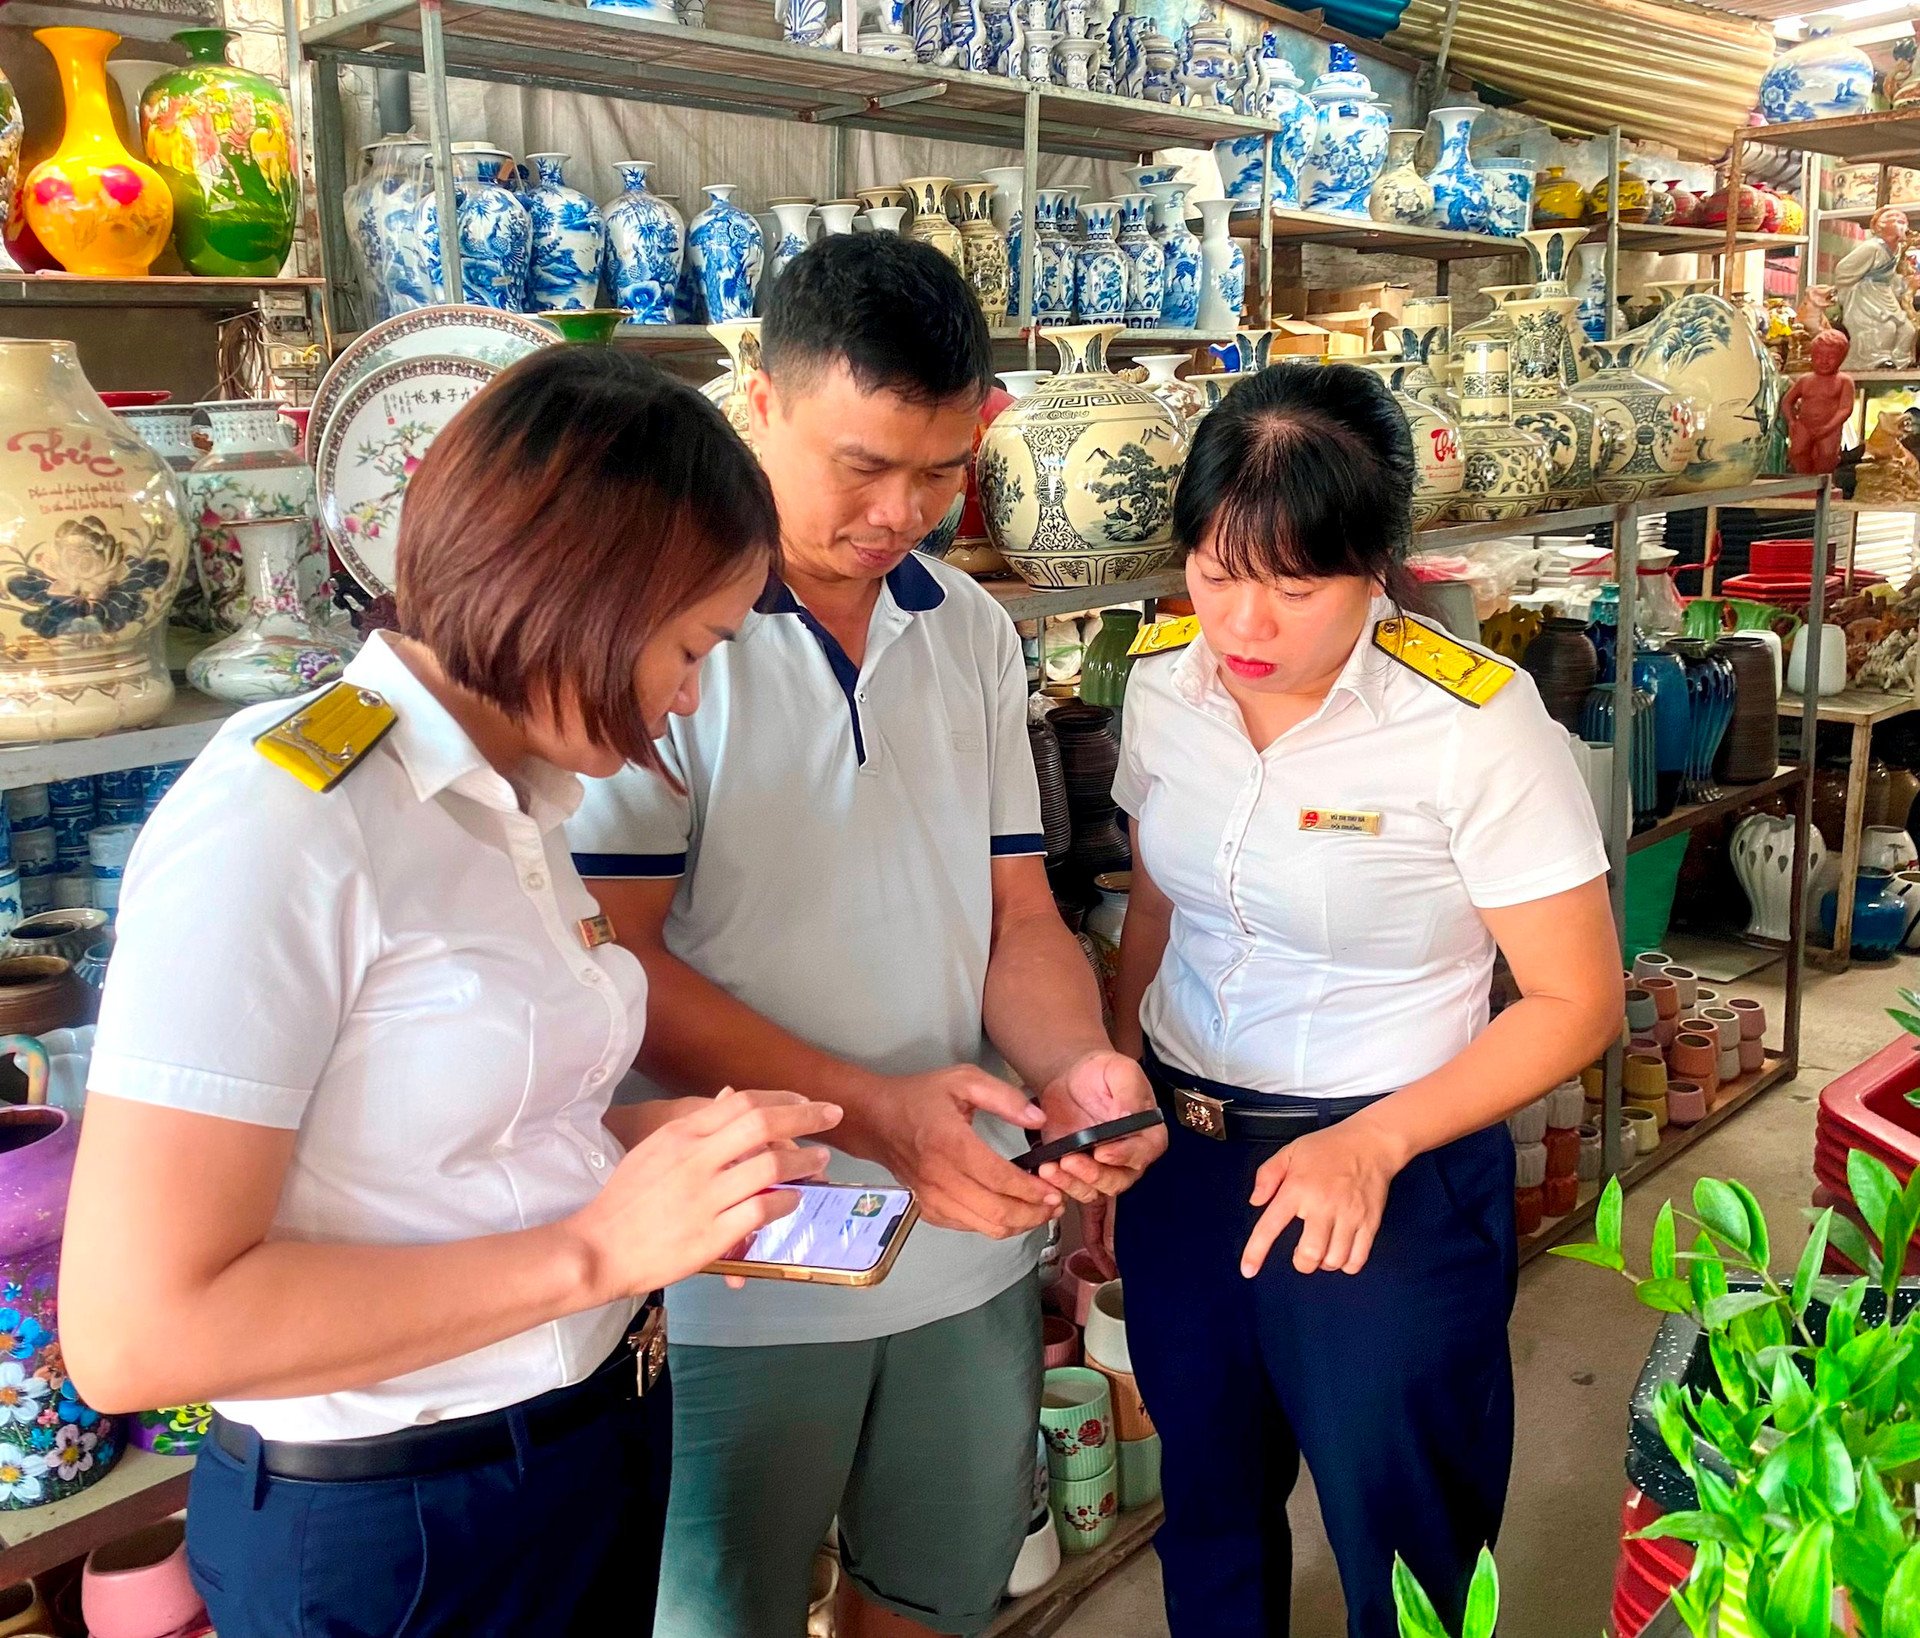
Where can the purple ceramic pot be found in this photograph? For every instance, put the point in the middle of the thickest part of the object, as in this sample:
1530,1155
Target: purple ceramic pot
52,1444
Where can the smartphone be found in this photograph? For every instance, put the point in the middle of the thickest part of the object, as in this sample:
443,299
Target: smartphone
839,1234
1089,1137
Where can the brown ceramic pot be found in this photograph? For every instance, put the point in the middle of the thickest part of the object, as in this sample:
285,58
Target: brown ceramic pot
1696,1057
40,993
1686,1102
1665,993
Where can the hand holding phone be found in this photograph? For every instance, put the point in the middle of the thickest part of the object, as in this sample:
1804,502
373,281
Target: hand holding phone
1090,1137
839,1234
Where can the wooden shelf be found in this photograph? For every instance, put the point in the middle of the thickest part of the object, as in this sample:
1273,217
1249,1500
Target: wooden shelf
1698,241
1857,707
1045,1611
182,731
1891,138
142,1489
1696,814
1321,227
1024,602
157,290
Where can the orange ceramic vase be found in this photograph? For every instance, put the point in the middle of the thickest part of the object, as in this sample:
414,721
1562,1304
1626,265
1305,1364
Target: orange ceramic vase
96,209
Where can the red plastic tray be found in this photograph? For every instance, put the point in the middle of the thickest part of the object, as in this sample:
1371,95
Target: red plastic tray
1868,1105
1648,1570
1768,558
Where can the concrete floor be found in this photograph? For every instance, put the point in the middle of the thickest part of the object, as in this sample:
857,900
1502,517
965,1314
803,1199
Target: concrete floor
1578,1343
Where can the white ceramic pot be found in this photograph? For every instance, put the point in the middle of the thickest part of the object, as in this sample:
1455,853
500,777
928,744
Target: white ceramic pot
1039,1560
1703,349
1106,1340
1180,396
1762,853
1907,884
1833,661
1887,847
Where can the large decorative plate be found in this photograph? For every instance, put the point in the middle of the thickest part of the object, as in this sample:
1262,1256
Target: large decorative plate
371,448
484,333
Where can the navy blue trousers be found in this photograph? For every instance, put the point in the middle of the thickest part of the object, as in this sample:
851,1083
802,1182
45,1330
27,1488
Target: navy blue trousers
1394,1384
546,1544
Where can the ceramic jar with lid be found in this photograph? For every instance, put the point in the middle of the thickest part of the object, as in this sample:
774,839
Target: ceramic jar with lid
1631,189
1350,138
1558,199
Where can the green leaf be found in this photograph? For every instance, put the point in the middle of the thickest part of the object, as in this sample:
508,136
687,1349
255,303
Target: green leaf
1910,1024
1798,1601
1900,1610
1833,1480
1874,1189
1853,1245
1913,1097
1483,1599
1723,1310
1664,1258
1598,1255
1606,1218
1895,1444
1691,1526
1667,1296
1716,1205
1894,1239
1811,1259
1793,1404
1708,1274
1418,1617
1758,1242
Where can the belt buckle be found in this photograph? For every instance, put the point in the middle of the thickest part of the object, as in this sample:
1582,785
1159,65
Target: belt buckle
650,1348
1200,1113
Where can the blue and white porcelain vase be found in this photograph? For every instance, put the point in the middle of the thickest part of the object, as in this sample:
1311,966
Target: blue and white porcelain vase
1460,202
646,248
1146,263
929,30
1822,78
803,22
1271,90
1509,196
1100,270
1180,248
1350,138
1223,269
1054,266
1009,216
382,211
569,237
1402,195
654,11
1240,170
725,248
496,233
792,217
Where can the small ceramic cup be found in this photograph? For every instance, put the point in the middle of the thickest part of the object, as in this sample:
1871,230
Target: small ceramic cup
1080,1276
1753,1056
1528,1125
1529,1165
138,1585
1559,1195
1130,1418
1728,1067
1696,1057
1695,1024
1664,1030
1591,1157
1644,1076
1640,1009
1059,1341
1704,997
1686,1102
1563,1152
1139,1471
1076,1415
1752,1015
1687,982
1726,1025
1593,1082
1106,1345
1645,1128
1650,963
1665,993
1656,1107
1085,1510
1564,1105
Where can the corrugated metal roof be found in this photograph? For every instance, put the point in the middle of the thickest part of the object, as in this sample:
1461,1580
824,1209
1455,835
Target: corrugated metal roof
1680,74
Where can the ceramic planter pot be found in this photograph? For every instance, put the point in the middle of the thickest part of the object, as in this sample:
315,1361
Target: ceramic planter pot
1528,1125
1086,1510
1654,1106
1687,982
1752,1015
1130,1418
1643,1076
1106,1344
1592,1157
1644,1126
1529,1165
1752,1056
1563,1151
1564,1105
1076,1418
1696,1058
1726,1025
1059,1341
1039,1560
1139,1472
1665,993
1641,1012
1076,479
1686,1103
1729,1064
138,1586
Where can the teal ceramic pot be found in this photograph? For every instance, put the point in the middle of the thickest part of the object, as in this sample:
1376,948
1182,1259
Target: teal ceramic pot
1086,1510
1879,915
1076,1419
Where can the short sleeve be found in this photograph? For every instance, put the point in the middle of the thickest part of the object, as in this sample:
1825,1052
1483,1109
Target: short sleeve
1015,800
1522,821
247,919
634,826
1129,777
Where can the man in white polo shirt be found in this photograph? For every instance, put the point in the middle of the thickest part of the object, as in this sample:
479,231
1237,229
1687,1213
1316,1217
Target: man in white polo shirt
850,894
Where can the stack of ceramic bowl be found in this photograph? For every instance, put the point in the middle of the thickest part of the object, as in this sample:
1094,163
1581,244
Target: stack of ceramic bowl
1546,1144
138,1586
1867,1109
1056,821
1076,1419
1107,1352
1090,753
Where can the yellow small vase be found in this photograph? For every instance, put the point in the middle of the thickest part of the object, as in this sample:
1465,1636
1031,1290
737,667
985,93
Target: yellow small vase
97,209
1558,200
1633,196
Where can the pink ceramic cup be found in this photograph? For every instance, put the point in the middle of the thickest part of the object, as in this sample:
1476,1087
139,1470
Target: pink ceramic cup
1664,1030
1059,1341
1665,993
137,1587
1753,1055
1753,1016
1080,1276
1686,1102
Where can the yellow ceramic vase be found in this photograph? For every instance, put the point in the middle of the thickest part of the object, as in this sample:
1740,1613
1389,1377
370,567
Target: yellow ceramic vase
1633,196
96,209
1558,200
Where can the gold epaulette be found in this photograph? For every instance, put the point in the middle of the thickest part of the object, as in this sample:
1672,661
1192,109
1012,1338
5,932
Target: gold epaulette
1164,636
1443,660
323,741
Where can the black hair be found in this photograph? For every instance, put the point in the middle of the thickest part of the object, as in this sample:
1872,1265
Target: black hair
1302,472
895,309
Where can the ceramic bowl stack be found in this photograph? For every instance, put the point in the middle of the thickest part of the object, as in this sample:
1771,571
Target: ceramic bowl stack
1107,1353
1090,753
64,846
1547,1145
1056,820
1076,1420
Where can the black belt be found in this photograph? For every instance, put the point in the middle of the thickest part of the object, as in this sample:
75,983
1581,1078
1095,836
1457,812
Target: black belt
1216,1110
465,1441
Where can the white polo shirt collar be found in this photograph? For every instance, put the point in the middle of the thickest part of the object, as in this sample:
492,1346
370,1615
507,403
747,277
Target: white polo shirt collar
1196,675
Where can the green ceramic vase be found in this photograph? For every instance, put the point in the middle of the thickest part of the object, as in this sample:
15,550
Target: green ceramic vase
223,138
1103,673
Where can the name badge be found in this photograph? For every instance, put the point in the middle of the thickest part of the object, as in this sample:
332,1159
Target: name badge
1351,820
596,931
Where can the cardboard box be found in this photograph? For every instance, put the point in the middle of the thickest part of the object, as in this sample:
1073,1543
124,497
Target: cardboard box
1389,298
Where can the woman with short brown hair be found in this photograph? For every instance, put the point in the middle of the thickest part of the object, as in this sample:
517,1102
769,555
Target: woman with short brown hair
349,1169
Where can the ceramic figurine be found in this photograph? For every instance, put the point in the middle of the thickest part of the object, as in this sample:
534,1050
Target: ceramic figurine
1146,263
1053,271
1003,46
1460,201
1702,349
1076,479
967,44
1223,269
1509,196
646,247
96,538
251,473
1890,475
1507,472
222,137
1100,270
95,208
1871,280
1818,406
1579,440
569,238
1180,307
1350,138
726,251
1654,427
1401,195
1558,199
496,233
792,217
1821,78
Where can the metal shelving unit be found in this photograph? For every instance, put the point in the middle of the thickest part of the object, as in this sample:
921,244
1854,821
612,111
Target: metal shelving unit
182,732
156,290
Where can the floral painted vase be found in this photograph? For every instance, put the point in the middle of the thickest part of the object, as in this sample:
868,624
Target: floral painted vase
276,653
179,1430
1700,348
1053,271
1180,252
1509,196
1146,263
726,251
382,212
94,540
1076,479
1100,270
741,339
1350,138
12,131
1508,471
792,217
223,139
1821,78
1223,269
251,474
496,233
1460,201
94,208
646,247
984,261
1578,438
52,1443
1271,90
1654,435
569,239
1402,195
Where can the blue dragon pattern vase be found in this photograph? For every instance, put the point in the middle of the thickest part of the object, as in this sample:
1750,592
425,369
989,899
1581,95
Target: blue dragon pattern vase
726,249
1350,138
569,237
1822,78
382,212
1271,90
646,247
496,233
1054,265
1100,270
803,22
1180,249
1146,263
1460,202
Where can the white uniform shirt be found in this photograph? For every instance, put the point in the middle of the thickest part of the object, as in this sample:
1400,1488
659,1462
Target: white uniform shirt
836,843
1324,963
394,970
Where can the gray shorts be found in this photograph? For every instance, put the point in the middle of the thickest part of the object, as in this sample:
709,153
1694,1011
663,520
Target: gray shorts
922,1443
